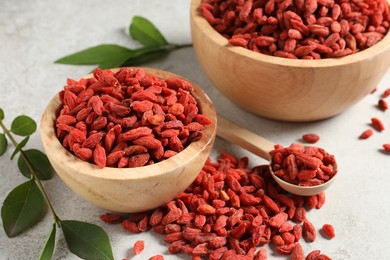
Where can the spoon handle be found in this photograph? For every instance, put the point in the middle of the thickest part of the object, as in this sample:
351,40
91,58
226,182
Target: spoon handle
244,138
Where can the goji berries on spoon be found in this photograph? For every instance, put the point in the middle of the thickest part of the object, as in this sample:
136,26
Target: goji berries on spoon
299,169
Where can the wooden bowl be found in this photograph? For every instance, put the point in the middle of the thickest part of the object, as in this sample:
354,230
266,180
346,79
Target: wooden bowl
285,89
130,189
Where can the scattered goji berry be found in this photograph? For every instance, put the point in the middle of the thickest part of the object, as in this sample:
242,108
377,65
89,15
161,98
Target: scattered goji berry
366,134
382,104
377,124
311,138
328,231
139,246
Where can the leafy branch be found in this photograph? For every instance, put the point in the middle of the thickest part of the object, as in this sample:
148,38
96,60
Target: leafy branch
26,204
111,55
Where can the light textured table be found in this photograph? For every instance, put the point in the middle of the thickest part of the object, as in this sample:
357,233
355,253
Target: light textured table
35,33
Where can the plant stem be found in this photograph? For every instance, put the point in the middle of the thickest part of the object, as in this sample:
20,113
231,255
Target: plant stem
32,172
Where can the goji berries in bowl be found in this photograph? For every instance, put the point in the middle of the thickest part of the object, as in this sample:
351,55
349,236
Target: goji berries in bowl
129,139
341,51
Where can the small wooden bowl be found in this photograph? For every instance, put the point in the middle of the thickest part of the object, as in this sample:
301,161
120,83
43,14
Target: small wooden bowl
130,189
286,89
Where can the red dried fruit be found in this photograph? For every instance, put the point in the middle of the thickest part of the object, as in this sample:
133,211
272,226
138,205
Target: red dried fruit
285,249
386,93
366,134
382,104
308,231
66,119
139,246
297,253
278,220
311,138
270,204
328,231
300,214
261,254
99,156
172,216
386,147
130,226
377,124
320,200
111,218
172,237
313,255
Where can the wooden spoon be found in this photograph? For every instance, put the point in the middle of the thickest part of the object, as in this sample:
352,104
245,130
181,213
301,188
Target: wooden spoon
262,147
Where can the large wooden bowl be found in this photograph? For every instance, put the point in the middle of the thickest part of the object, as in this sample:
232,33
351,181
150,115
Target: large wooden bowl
285,89
130,189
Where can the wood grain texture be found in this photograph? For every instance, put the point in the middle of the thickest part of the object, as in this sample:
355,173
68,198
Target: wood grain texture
130,189
285,89
244,138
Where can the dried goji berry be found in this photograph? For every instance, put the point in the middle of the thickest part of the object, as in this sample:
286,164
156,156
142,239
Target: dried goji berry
328,231
139,246
377,124
311,138
308,231
366,134
297,253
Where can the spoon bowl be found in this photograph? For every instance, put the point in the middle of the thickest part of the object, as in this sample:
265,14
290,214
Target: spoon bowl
130,190
303,190
262,147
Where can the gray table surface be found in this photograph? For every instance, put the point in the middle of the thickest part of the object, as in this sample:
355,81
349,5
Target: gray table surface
35,33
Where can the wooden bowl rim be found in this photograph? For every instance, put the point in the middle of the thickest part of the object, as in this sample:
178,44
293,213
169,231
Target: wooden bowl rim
208,31
51,142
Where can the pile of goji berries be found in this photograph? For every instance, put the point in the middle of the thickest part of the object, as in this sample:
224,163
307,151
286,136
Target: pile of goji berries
305,29
303,165
228,212
128,118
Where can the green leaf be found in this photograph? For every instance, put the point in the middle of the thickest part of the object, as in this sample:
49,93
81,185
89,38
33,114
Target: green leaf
20,146
47,252
145,54
115,62
97,55
145,57
3,144
145,32
22,208
87,241
1,114
23,125
39,161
